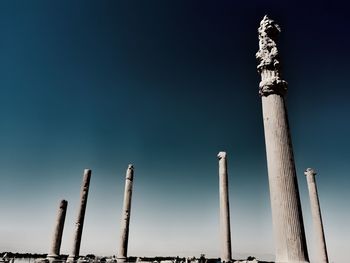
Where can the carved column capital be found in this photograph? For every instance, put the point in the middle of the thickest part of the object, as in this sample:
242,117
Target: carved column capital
310,171
268,59
222,155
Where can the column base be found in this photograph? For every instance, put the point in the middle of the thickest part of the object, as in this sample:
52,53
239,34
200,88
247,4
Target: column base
72,259
121,259
54,259
292,262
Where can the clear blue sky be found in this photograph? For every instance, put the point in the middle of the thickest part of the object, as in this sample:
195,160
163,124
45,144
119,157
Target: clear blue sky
165,85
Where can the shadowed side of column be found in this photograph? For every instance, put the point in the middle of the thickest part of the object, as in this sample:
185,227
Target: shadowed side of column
81,216
225,229
288,226
125,220
320,241
58,231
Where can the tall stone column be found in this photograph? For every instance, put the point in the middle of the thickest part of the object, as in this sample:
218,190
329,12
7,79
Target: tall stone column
320,241
81,215
288,226
58,231
225,230
125,220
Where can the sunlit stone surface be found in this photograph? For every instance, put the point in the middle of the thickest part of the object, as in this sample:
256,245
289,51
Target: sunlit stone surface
320,242
125,220
290,242
81,215
58,231
225,230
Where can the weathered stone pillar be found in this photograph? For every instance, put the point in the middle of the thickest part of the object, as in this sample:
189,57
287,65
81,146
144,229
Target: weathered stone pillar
225,230
125,220
81,215
58,231
290,241
320,241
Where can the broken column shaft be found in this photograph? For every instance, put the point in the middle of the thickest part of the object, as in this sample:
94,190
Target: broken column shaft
81,215
225,230
320,241
58,231
125,220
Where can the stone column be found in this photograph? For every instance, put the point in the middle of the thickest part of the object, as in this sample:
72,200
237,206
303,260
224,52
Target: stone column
58,231
288,226
321,248
81,215
125,220
225,230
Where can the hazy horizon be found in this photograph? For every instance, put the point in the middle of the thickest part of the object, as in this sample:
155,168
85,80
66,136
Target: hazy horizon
165,86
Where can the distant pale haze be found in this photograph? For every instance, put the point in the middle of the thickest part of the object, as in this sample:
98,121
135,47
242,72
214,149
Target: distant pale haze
165,86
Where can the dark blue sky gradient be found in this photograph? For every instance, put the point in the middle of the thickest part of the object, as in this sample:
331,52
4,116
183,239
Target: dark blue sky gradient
165,85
